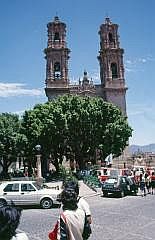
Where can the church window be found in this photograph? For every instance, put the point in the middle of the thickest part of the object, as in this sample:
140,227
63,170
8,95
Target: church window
111,38
56,36
114,70
57,72
57,66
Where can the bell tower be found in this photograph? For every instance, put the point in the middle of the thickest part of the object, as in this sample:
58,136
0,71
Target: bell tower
111,65
56,55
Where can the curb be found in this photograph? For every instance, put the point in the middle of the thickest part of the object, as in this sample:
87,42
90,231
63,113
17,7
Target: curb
91,186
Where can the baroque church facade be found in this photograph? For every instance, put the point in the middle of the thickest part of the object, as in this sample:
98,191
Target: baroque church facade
112,87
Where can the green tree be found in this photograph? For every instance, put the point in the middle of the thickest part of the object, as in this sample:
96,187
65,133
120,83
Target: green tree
76,126
94,124
45,125
12,141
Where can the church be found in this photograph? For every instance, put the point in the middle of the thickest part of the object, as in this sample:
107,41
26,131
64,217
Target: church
112,86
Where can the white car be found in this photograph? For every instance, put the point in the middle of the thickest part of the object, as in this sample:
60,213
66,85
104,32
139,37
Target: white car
28,193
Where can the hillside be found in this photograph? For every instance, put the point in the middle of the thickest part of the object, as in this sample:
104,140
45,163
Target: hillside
145,148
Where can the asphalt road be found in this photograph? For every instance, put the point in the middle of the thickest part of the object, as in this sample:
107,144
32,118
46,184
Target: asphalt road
129,218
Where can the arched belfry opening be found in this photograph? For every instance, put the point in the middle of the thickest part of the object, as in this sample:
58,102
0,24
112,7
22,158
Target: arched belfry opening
56,36
57,70
110,37
114,71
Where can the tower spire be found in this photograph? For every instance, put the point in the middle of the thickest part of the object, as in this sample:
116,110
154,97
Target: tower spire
56,18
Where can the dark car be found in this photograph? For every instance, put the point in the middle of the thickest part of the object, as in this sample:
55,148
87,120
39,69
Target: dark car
120,185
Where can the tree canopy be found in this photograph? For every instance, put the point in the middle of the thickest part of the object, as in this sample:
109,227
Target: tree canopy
12,141
76,127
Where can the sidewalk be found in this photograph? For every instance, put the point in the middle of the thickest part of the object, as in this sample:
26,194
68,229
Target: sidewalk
84,189
87,191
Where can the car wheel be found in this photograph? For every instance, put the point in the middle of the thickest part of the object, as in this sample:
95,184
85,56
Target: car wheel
2,202
105,194
135,192
122,194
46,203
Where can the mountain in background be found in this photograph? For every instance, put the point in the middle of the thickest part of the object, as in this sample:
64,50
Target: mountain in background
145,148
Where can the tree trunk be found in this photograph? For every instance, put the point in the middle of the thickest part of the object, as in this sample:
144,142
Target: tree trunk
79,160
5,165
56,165
45,167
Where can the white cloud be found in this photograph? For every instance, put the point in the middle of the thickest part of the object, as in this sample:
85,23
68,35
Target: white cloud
129,69
18,89
137,60
128,61
141,118
142,60
20,113
135,112
145,110
150,58
133,65
96,77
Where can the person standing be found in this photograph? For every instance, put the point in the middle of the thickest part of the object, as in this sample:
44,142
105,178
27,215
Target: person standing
142,184
148,183
71,222
153,183
82,203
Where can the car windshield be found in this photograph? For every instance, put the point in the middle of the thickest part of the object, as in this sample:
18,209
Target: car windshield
37,185
111,180
130,180
114,173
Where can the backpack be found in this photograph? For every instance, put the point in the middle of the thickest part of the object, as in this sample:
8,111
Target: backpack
53,233
87,229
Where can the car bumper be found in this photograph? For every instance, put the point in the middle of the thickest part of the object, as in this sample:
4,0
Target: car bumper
111,190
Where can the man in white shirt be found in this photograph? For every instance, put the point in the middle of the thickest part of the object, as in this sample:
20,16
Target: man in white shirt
82,203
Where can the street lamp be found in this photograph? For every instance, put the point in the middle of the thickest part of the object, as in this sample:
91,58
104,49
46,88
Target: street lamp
38,164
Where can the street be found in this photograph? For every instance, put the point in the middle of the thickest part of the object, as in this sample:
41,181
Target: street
129,218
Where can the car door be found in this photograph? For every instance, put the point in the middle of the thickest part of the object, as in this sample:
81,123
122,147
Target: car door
28,194
11,193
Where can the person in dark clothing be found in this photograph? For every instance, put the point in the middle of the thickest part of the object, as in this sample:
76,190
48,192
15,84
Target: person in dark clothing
9,221
142,184
153,183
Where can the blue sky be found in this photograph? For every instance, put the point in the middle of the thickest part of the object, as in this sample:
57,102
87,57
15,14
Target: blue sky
24,36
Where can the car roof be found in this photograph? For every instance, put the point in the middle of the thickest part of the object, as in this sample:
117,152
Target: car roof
116,177
24,181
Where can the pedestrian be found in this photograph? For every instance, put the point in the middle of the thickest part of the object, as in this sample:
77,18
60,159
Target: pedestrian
148,183
153,183
9,221
142,184
71,222
82,203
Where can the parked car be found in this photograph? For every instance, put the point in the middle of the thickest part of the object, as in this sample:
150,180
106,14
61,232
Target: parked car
133,184
28,193
121,185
